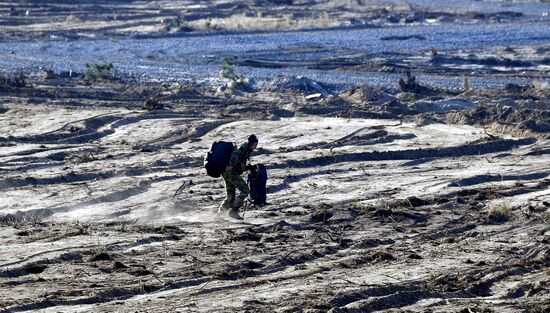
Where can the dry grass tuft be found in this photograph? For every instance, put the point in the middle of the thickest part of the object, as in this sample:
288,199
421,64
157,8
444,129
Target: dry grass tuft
500,212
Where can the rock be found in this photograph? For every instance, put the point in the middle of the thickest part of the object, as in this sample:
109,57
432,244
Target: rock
406,96
363,93
454,104
415,17
514,88
506,102
385,99
302,84
441,106
313,96
422,106
282,113
273,117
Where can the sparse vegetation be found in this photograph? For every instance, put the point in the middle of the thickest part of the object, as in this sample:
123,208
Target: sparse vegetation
152,103
357,206
21,221
177,24
17,81
500,212
83,157
541,84
208,24
228,72
89,177
99,71
228,68
411,85
466,83
213,25
48,74
99,253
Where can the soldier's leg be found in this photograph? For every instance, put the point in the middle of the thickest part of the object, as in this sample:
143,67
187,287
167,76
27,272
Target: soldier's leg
244,191
229,193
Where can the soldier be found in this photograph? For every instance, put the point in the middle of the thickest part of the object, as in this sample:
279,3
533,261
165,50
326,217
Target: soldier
233,180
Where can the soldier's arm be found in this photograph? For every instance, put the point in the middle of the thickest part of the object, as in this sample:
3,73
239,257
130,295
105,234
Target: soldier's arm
234,157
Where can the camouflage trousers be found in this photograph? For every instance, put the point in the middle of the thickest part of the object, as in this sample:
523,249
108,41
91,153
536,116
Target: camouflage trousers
232,183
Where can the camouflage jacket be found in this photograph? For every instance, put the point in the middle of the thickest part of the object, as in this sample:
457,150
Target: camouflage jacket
239,158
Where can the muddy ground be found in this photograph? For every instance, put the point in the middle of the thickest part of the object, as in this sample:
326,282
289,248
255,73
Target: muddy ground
398,198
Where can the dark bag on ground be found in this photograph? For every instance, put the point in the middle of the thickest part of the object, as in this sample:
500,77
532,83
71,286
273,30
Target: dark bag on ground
257,180
217,158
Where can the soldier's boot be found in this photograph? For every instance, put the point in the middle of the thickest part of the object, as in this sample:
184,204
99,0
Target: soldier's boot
234,213
239,200
226,205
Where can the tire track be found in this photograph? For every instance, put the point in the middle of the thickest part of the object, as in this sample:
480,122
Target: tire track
459,151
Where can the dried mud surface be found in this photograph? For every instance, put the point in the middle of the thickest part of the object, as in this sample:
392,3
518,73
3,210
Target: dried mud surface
383,197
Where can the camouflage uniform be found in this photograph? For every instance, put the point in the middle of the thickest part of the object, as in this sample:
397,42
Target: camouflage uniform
234,181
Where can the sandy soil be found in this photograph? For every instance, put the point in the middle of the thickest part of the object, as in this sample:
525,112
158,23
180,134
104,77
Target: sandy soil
371,206
402,198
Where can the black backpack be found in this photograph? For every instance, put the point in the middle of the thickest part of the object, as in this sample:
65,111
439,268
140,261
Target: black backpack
257,180
217,158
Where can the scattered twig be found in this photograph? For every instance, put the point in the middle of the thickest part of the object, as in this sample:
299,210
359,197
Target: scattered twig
179,189
389,276
351,282
156,276
197,259
493,137
283,257
208,282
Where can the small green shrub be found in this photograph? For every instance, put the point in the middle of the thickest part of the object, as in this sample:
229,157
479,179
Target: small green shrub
228,68
178,24
228,72
99,71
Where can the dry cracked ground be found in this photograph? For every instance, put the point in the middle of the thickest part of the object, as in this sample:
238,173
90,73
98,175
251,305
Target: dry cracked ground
372,207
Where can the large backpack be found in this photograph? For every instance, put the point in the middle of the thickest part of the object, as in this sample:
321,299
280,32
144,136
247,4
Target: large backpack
257,180
217,158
